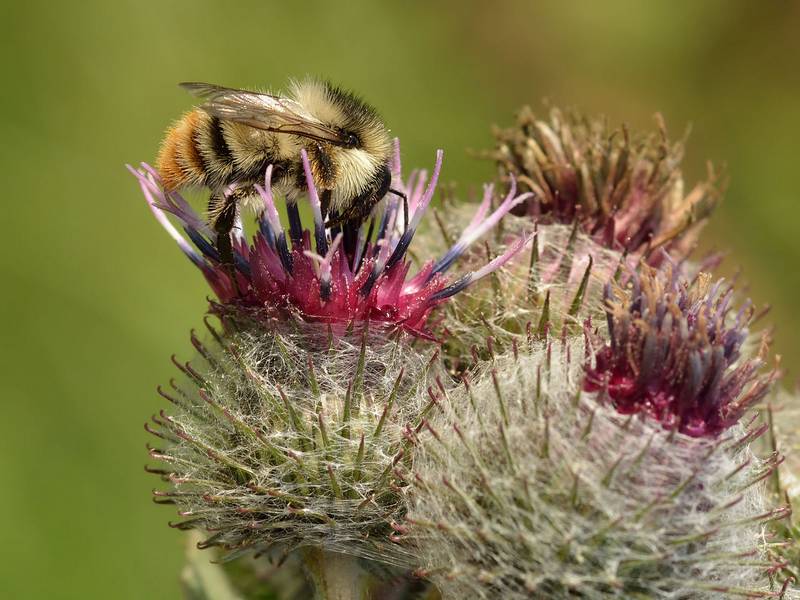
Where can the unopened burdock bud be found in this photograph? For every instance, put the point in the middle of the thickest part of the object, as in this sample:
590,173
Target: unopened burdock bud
555,285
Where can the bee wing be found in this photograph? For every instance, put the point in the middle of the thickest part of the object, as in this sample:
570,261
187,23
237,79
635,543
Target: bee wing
263,111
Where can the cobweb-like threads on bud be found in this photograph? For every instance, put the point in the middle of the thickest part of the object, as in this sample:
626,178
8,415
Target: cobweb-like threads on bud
281,274
674,353
524,487
783,417
555,285
626,193
277,441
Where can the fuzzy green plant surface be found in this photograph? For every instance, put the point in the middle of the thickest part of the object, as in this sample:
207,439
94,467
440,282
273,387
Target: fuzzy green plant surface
614,464
290,439
527,486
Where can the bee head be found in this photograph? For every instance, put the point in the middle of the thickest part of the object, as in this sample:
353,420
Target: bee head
358,167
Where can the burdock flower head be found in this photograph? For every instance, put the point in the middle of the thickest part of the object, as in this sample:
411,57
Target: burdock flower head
281,274
626,192
674,352
599,199
288,425
527,486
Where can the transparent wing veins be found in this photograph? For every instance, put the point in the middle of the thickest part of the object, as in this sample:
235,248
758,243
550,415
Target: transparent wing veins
263,111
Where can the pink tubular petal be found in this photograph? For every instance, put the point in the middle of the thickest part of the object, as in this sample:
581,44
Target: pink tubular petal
501,260
184,246
478,227
413,187
325,265
324,262
269,204
473,232
320,235
173,202
488,193
429,190
313,197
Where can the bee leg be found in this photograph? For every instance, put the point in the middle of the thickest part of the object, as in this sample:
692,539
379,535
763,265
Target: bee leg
351,220
333,223
405,206
325,203
350,238
222,211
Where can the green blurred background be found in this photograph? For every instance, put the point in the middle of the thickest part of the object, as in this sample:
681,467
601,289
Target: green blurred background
95,297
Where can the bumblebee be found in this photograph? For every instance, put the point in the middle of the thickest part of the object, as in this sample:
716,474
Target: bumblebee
235,134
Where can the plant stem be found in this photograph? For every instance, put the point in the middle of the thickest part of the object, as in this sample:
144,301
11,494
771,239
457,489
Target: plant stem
335,576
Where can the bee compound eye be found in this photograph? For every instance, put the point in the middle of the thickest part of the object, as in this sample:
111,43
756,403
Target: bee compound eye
351,140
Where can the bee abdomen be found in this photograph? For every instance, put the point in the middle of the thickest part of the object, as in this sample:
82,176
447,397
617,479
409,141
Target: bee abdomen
195,153
218,158
179,161
201,150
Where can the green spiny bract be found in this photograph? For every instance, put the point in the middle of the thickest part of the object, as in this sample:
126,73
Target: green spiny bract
525,486
556,287
290,439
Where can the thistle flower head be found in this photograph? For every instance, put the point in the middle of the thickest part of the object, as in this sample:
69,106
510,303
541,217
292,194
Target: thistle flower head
525,487
288,437
674,353
626,193
281,273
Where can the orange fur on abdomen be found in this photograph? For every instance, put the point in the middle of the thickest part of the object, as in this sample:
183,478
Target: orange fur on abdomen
179,162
